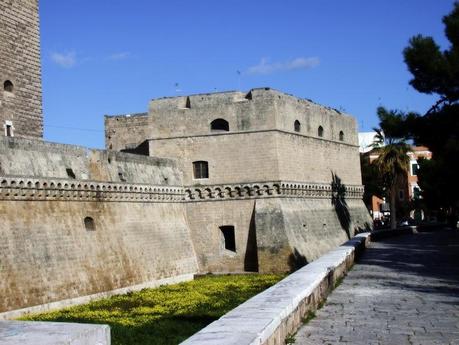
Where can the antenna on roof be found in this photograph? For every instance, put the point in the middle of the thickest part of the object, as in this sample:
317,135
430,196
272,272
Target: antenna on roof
239,79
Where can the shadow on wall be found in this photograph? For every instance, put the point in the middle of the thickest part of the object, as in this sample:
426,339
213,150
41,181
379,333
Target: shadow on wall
338,200
251,251
296,260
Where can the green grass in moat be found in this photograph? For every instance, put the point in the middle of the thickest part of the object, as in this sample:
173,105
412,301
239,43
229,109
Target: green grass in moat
168,314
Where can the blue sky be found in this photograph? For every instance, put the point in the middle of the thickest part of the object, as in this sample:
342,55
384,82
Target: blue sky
113,56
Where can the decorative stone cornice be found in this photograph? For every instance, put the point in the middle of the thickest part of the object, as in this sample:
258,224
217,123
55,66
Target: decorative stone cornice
270,189
18,188
39,189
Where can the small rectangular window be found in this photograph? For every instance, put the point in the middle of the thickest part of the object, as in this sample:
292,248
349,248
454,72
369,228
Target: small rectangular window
229,237
414,169
201,169
70,173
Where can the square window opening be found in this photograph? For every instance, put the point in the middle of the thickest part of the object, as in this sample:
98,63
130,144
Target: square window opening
229,237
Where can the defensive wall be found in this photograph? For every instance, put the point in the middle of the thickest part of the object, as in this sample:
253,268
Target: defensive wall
20,69
79,222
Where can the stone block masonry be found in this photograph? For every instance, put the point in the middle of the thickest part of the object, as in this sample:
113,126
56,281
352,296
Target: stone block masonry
269,157
20,70
78,222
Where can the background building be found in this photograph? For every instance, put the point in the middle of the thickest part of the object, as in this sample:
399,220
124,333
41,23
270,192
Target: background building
408,188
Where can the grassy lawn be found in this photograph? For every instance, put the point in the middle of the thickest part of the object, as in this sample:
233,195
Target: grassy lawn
168,314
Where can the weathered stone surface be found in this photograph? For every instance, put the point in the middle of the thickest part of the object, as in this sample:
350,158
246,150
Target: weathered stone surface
403,290
47,254
52,333
20,64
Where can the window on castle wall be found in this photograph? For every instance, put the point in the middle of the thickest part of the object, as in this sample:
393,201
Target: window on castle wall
229,237
341,135
201,169
70,173
8,86
89,224
297,126
219,125
320,131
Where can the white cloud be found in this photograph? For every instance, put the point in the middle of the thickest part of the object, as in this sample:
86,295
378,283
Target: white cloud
120,56
265,67
66,60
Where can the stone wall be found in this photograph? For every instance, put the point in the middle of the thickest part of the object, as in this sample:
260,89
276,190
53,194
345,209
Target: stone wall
262,156
205,220
127,131
65,237
48,255
233,157
20,65
279,226
33,158
293,232
303,158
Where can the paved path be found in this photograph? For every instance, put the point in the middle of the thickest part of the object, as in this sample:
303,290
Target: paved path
404,290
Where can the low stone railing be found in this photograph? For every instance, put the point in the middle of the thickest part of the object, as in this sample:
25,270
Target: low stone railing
52,333
271,316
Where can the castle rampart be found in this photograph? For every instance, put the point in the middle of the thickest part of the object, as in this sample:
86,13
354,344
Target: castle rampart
87,230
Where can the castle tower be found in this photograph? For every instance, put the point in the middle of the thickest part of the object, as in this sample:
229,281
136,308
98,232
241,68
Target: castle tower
20,72
271,180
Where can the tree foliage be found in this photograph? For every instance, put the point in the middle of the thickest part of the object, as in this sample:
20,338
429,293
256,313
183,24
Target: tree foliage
393,161
436,72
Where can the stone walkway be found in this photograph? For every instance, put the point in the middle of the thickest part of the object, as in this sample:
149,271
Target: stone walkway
404,290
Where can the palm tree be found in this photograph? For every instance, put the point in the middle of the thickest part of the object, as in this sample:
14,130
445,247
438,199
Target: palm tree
393,161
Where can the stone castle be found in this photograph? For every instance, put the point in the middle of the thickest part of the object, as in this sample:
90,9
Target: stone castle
225,182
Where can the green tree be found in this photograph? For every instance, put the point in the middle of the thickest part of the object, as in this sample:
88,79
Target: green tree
437,72
371,179
393,161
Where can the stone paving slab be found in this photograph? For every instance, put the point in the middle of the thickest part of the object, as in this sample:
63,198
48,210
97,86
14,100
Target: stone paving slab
403,290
